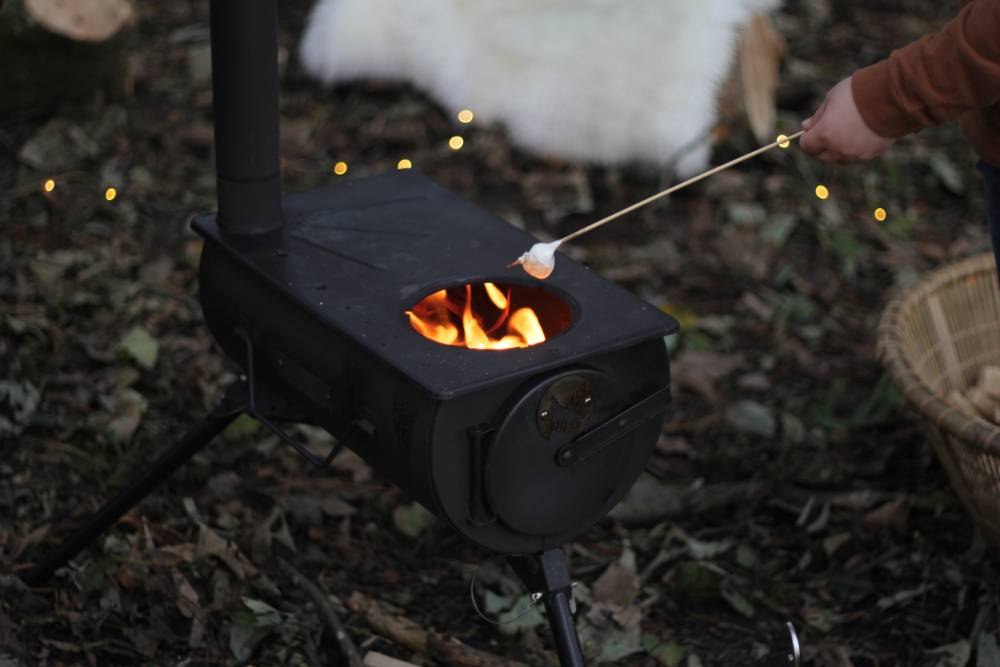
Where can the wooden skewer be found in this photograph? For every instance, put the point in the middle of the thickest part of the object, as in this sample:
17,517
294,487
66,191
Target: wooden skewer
675,188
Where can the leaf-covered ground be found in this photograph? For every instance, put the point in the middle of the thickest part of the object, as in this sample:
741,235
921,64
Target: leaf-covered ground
791,484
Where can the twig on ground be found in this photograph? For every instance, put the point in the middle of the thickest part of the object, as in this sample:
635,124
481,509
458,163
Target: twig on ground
408,634
347,646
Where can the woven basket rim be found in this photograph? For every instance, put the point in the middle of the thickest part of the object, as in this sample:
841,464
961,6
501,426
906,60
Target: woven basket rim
976,432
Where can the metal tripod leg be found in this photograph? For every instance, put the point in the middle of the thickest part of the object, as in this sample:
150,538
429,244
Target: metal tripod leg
128,497
548,573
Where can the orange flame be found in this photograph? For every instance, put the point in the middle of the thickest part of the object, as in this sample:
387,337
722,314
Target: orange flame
448,321
434,323
496,296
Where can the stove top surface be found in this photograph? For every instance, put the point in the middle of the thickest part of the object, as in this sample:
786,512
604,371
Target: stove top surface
358,254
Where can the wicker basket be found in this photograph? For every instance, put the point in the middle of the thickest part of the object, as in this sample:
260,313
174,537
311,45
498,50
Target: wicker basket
936,337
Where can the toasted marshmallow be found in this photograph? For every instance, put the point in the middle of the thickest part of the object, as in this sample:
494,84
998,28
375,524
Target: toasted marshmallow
540,260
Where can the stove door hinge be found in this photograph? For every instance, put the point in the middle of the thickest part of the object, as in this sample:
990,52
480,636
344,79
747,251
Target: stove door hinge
480,438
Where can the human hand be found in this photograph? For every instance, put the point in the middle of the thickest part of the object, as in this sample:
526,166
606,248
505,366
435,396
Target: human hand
838,133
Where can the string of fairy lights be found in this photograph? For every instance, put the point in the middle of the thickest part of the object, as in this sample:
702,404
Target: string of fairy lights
49,186
821,191
340,168
456,142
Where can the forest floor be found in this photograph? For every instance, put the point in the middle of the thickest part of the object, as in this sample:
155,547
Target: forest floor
791,484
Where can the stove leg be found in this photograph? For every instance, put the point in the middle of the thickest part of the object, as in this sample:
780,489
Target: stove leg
548,573
128,497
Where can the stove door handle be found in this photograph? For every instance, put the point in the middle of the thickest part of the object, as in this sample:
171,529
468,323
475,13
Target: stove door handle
611,430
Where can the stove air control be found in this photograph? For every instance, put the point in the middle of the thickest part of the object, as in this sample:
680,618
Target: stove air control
566,407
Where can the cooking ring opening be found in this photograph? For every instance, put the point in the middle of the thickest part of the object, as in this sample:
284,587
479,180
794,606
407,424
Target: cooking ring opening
491,315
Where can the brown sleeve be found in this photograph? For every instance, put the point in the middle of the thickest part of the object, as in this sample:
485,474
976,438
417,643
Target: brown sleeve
937,78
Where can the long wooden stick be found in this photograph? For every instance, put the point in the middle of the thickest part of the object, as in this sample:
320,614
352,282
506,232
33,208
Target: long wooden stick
675,188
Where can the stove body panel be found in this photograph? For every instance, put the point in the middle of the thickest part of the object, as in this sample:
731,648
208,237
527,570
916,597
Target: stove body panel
473,435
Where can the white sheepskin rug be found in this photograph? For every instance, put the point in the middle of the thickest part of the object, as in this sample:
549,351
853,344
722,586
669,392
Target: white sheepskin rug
601,81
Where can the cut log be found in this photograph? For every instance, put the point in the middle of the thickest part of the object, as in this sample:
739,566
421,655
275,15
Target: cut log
82,20
989,381
761,50
55,51
962,404
985,405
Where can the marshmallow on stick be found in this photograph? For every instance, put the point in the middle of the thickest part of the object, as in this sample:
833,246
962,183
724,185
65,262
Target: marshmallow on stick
540,260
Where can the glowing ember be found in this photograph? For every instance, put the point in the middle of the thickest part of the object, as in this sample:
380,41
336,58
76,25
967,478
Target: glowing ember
465,319
49,185
465,116
822,192
880,214
456,143
404,164
340,168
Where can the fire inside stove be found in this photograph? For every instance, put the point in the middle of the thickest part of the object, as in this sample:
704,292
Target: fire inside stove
490,316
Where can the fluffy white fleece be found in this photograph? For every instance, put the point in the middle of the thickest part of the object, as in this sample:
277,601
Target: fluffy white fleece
603,81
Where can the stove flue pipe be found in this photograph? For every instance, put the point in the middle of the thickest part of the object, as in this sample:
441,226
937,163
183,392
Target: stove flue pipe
245,92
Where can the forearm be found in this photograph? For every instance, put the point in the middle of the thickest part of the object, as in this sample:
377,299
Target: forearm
936,79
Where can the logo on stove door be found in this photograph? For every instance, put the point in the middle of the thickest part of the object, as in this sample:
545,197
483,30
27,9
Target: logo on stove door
566,406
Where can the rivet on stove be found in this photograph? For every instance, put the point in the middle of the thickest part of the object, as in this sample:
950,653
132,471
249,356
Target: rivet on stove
545,414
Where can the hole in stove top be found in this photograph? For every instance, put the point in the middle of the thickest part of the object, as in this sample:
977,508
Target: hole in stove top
491,315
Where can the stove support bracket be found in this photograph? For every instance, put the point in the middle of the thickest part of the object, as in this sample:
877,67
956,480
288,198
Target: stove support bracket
243,397
547,573
361,427
192,443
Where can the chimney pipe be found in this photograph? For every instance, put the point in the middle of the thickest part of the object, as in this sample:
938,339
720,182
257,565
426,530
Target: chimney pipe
245,98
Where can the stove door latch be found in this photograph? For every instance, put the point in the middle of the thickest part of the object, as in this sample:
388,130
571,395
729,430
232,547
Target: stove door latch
614,428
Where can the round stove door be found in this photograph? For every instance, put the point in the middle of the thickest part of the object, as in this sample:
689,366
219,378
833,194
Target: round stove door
527,487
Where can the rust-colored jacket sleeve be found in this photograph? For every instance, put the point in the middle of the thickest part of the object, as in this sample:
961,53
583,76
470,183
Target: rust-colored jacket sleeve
936,79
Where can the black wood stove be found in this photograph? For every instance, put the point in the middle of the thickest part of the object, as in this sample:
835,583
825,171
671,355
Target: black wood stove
359,308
